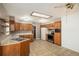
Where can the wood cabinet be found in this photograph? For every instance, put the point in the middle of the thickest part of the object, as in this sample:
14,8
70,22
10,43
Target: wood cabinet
57,38
17,26
11,50
18,49
25,48
57,25
29,27
21,26
57,35
50,26
26,27
43,26
1,51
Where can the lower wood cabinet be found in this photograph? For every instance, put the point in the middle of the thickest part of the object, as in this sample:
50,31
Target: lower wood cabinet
18,49
1,51
57,38
25,48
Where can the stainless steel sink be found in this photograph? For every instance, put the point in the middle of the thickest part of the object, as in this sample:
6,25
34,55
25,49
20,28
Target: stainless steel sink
17,39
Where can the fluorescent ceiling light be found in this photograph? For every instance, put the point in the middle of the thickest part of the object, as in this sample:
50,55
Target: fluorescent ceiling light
40,15
43,21
26,18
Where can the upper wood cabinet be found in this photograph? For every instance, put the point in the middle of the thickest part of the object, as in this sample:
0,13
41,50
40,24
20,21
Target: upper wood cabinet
50,26
17,26
21,26
57,25
43,26
12,22
27,27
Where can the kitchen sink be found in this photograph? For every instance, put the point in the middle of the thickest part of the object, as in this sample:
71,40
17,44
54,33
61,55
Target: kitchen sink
17,39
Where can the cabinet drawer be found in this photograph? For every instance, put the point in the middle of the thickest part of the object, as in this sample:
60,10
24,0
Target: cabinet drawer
57,34
28,36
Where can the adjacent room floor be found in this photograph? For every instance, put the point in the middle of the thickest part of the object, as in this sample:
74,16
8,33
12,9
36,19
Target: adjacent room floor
44,48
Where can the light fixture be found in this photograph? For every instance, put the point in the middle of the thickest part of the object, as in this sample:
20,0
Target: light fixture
40,15
43,20
25,18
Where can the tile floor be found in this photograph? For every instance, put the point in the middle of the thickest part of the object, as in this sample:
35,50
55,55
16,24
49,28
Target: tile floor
44,48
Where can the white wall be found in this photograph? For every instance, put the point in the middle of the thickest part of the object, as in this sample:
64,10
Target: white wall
37,31
3,12
70,31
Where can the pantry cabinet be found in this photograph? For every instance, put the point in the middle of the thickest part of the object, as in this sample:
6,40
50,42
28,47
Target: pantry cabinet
57,34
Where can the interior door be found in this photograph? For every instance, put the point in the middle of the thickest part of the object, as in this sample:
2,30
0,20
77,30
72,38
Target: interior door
34,31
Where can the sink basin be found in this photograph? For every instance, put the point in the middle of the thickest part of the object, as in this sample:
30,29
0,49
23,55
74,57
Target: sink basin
17,39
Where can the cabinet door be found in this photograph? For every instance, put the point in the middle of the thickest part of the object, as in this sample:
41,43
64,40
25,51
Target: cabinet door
24,48
25,26
28,27
1,51
50,26
57,25
11,50
17,26
21,26
57,38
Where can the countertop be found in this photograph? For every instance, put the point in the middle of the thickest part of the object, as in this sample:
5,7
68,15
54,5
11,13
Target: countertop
7,40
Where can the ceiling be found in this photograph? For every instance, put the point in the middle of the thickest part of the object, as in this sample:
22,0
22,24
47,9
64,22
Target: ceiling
25,9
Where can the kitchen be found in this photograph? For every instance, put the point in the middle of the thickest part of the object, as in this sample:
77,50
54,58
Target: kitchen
20,29
17,30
